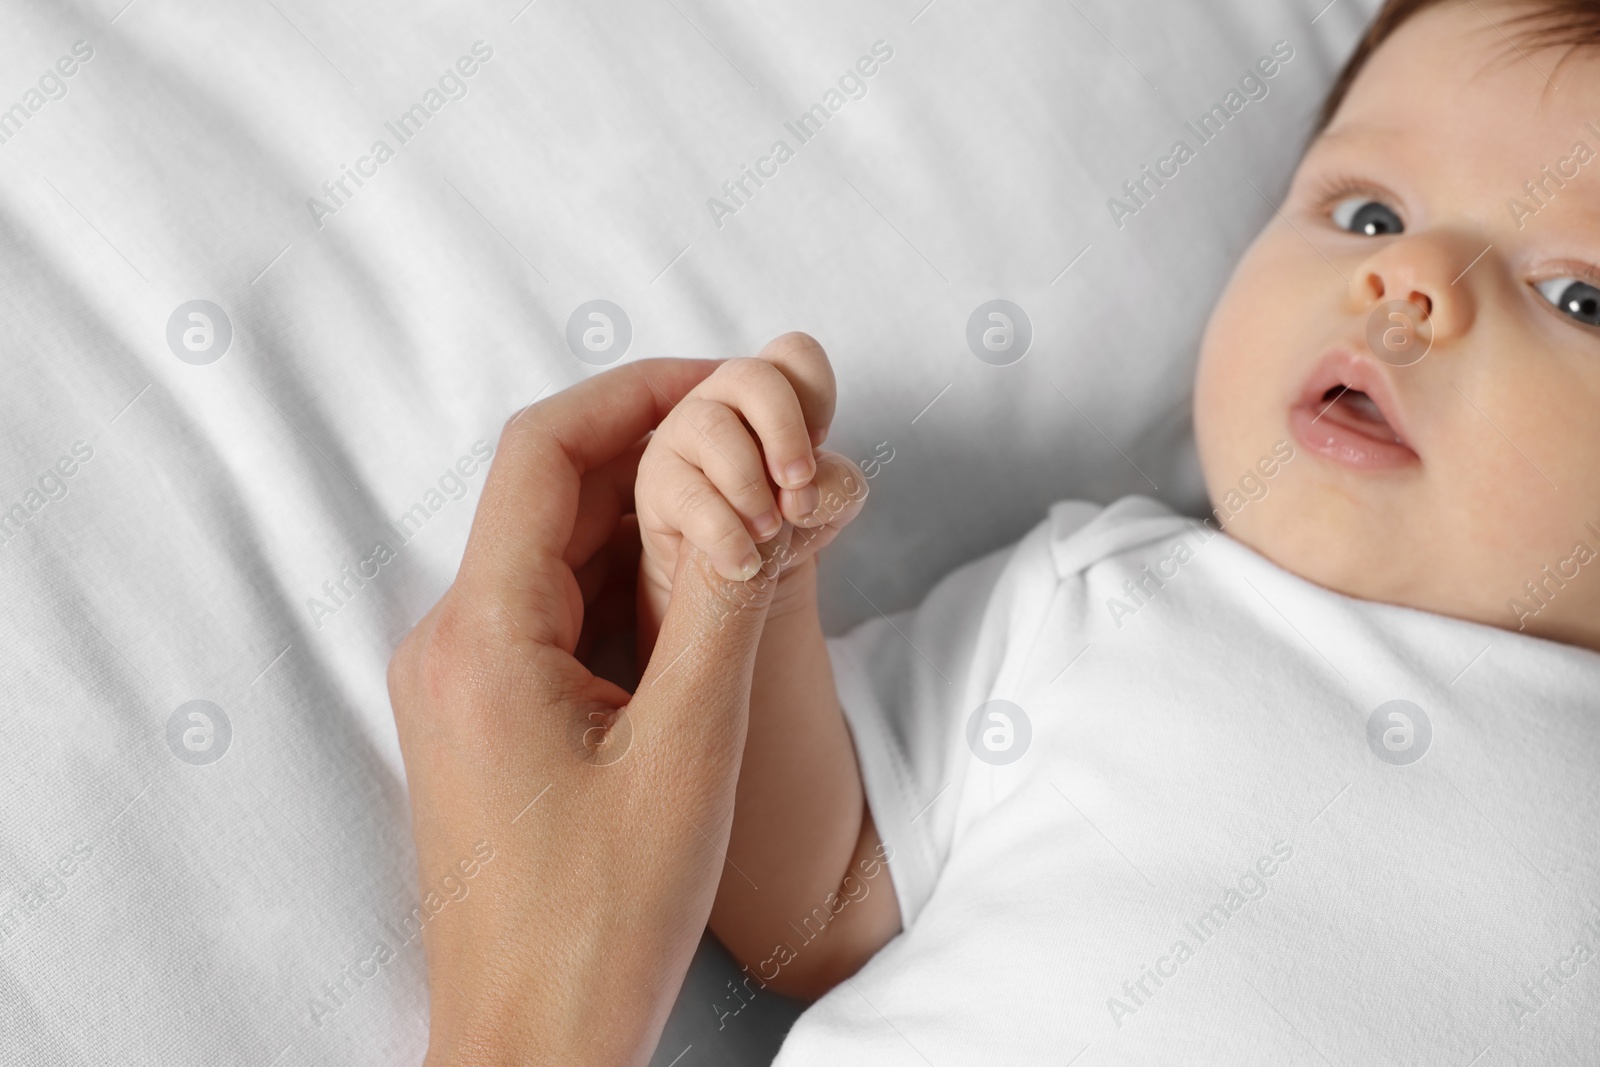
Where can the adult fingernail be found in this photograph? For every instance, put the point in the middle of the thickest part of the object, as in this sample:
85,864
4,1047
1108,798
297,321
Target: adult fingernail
807,499
799,472
768,524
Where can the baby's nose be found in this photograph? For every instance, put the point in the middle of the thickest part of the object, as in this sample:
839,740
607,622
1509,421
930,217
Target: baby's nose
1431,272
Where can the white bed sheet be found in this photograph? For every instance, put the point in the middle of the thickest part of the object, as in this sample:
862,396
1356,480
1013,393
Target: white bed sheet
158,911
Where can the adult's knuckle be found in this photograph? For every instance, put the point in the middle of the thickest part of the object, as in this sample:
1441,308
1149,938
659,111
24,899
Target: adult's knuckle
444,657
402,667
508,427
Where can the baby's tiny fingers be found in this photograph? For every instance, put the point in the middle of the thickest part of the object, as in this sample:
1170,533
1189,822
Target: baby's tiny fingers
710,436
765,398
834,497
804,363
702,515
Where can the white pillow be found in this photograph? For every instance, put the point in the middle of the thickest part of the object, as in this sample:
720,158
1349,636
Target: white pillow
536,158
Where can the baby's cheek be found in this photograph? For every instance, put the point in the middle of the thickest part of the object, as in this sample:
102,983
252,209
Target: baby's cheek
1226,416
1258,342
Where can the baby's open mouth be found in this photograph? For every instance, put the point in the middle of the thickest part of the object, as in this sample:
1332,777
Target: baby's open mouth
1347,414
1359,412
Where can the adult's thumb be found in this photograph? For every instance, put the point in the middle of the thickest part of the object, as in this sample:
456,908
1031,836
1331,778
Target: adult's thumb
693,696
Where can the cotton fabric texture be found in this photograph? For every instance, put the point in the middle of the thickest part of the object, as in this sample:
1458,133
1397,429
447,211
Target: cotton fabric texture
1201,857
211,531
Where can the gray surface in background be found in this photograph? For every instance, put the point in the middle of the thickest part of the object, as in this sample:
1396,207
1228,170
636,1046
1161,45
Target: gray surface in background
702,1037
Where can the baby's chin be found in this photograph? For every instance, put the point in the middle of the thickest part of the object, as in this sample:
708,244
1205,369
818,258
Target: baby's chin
1336,542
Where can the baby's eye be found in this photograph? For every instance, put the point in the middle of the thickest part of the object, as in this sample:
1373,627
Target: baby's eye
1578,299
1360,214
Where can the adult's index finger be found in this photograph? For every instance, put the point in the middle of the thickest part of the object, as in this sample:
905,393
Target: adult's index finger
529,504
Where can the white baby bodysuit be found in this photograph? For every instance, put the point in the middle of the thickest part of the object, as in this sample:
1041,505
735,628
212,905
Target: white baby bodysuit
1219,815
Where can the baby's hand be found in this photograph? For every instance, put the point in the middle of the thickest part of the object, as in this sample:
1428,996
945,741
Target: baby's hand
735,460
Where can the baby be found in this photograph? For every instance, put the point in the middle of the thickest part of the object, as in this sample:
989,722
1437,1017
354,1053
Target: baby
1138,790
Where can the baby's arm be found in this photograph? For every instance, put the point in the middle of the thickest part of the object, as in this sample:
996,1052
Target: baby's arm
804,898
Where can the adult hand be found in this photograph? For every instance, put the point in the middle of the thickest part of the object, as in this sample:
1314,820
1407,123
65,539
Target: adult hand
604,815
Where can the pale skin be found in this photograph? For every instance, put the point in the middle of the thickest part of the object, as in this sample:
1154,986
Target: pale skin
1444,127
731,466
1462,477
606,813
574,941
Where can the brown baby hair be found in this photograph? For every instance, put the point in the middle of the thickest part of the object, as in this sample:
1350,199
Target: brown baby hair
1535,24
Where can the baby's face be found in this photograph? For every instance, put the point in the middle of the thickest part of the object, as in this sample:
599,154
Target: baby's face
1450,483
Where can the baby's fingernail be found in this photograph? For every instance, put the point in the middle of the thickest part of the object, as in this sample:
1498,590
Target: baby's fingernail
748,568
807,499
768,524
799,472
